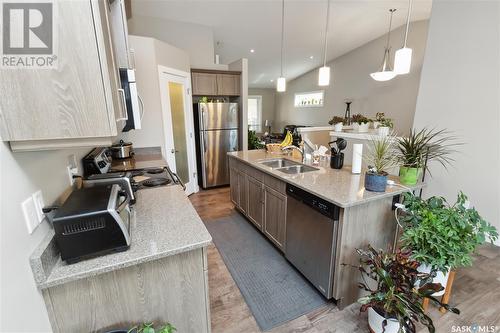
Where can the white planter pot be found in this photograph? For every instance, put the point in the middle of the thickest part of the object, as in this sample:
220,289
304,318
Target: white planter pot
338,127
355,126
441,278
383,131
363,128
375,124
375,321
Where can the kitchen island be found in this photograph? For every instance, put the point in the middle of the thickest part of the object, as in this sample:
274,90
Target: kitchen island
161,278
359,217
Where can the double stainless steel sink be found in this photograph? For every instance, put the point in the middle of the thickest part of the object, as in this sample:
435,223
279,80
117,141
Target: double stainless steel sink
287,166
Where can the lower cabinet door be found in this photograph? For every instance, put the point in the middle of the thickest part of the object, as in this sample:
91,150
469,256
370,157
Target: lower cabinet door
233,183
243,193
255,211
275,217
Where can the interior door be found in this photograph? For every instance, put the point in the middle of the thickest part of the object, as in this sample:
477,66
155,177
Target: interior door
178,128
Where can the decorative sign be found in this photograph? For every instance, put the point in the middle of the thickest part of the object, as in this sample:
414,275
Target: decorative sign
309,99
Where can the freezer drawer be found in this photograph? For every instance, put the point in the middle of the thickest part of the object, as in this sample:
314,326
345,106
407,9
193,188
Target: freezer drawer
215,116
215,145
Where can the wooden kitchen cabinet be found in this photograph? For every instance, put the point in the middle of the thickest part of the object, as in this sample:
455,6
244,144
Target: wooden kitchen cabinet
215,83
255,210
275,217
80,103
204,84
234,189
228,84
243,192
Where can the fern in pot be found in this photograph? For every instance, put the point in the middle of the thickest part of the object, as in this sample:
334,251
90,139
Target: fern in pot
380,158
338,123
440,236
421,147
393,302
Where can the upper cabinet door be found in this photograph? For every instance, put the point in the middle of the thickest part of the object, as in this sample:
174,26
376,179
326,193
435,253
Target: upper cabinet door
66,102
228,84
204,84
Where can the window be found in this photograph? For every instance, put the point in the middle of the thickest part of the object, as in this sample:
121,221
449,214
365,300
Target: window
255,113
309,99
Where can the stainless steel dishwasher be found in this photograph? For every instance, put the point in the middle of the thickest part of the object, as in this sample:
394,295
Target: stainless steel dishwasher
311,234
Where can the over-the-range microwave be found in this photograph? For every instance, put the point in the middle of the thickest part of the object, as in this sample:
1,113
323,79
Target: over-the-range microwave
133,102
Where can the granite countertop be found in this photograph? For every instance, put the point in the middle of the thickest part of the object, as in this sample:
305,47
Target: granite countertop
165,224
138,161
340,187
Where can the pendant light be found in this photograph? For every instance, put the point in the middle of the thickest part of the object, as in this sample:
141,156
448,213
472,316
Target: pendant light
402,58
281,82
324,72
386,73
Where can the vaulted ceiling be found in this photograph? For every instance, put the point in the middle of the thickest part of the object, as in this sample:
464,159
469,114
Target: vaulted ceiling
240,26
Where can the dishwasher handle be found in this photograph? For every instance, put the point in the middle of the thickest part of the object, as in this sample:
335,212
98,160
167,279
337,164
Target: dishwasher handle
322,206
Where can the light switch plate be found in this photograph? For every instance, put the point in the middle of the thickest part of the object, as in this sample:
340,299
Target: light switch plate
30,216
39,204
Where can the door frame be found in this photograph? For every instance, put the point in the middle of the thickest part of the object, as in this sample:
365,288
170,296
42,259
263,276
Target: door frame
166,74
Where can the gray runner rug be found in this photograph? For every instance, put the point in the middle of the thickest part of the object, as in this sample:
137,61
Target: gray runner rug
274,291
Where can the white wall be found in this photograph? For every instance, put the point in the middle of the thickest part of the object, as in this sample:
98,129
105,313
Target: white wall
242,66
460,91
351,80
149,53
22,308
268,103
197,40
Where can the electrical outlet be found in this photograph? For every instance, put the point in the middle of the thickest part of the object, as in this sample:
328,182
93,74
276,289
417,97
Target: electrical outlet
71,172
39,204
30,216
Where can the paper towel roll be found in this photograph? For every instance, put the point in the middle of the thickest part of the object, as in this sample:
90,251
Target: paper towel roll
357,157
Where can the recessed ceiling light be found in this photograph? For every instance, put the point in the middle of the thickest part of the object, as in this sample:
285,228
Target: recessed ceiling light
271,80
252,51
311,57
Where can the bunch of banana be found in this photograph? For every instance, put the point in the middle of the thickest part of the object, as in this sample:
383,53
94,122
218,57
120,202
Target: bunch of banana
288,140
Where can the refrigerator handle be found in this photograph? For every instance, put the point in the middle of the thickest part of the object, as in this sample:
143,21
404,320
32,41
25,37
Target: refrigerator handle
204,142
203,118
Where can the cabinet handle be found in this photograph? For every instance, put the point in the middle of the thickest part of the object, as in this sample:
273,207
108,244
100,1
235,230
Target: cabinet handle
143,111
124,105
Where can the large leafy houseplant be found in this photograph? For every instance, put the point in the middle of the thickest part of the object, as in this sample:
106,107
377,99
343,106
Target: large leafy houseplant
395,296
253,141
421,147
441,235
380,158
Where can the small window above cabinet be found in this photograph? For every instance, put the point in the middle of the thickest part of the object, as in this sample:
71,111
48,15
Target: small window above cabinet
215,83
76,104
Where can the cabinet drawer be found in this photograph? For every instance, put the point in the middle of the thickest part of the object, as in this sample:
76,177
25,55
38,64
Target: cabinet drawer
275,184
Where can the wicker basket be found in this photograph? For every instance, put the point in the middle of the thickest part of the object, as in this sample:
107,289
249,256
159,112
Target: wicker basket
273,147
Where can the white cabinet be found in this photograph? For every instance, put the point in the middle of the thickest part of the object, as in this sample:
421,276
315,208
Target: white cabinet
80,103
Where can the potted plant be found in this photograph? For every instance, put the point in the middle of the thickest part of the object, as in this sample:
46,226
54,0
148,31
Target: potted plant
379,157
378,117
421,147
360,123
338,123
253,141
441,236
147,328
393,302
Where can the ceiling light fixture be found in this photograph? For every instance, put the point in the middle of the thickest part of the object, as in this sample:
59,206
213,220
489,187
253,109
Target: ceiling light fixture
386,73
252,50
281,82
402,58
324,72
311,57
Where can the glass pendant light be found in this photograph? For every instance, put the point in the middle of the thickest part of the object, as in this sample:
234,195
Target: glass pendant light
281,82
324,72
402,58
385,72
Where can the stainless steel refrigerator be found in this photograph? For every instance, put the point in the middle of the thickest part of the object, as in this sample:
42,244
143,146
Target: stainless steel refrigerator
216,133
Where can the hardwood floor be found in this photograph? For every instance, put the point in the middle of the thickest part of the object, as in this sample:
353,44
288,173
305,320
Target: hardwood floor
476,291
